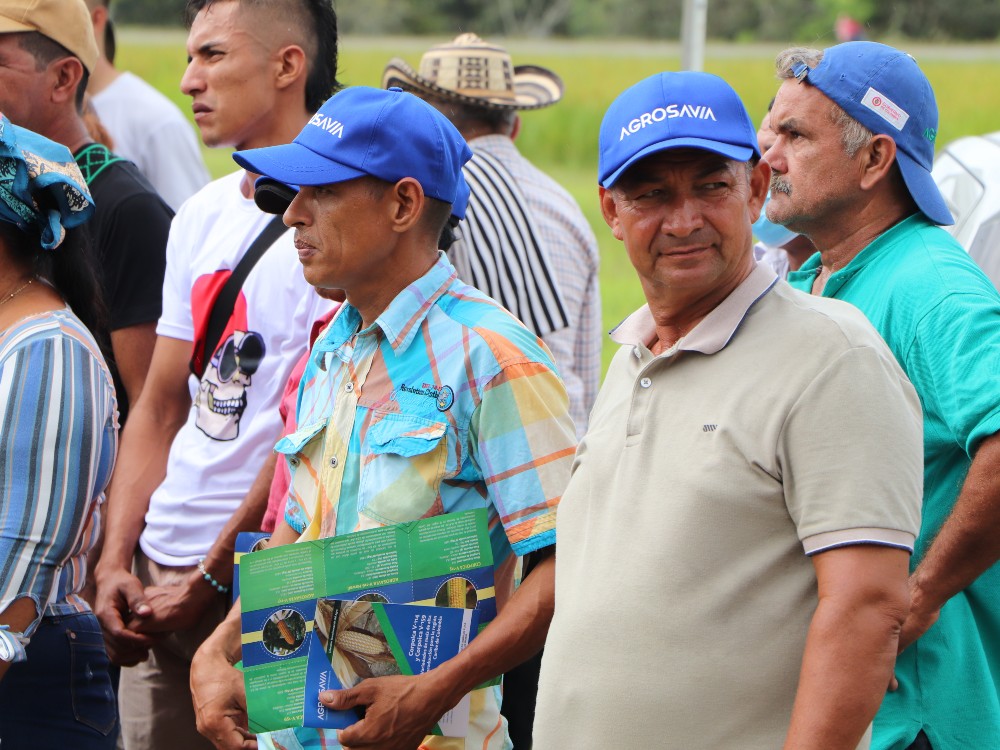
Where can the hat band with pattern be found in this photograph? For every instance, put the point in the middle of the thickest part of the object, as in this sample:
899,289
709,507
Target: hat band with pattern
474,72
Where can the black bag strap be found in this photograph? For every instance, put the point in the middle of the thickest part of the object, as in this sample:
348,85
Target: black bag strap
225,302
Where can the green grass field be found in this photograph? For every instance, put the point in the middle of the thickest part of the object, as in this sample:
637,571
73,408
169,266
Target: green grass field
562,140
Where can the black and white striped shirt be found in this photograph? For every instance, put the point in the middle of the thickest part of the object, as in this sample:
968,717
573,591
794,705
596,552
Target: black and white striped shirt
498,250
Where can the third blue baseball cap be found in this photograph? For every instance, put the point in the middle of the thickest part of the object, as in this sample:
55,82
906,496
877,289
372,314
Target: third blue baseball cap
362,131
885,90
668,110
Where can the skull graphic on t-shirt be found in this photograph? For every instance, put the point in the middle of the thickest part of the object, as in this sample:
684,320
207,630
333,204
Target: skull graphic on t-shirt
222,393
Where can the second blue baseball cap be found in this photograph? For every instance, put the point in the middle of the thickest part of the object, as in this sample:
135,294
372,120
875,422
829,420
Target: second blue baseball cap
885,90
668,110
362,131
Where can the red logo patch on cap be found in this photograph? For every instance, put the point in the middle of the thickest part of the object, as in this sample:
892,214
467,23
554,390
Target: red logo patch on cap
885,108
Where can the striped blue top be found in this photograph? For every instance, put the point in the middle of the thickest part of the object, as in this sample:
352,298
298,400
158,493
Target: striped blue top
58,439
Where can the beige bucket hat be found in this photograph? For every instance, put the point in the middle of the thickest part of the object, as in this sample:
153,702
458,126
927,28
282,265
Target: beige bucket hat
474,72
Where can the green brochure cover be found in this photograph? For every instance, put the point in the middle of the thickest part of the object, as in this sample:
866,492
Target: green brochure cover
443,561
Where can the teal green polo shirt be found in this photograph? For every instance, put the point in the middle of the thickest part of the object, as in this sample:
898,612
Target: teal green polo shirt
940,316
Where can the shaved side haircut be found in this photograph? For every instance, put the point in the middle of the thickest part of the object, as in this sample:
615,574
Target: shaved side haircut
314,26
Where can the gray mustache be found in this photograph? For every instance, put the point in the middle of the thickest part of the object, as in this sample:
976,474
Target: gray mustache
779,185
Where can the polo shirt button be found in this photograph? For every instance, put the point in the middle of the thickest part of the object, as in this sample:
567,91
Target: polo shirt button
333,462
645,382
349,387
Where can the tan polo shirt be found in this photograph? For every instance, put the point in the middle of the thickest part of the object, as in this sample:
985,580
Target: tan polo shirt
779,427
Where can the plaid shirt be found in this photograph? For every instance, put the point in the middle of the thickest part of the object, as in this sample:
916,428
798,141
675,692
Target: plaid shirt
445,403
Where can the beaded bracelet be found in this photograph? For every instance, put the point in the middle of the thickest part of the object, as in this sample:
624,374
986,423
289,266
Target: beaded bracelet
220,587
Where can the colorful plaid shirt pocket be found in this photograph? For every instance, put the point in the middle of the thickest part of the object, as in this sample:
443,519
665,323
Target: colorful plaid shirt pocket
401,475
303,450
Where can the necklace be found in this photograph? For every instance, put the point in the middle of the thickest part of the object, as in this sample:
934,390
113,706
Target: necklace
16,292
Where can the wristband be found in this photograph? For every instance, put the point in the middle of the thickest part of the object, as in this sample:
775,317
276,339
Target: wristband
12,645
220,587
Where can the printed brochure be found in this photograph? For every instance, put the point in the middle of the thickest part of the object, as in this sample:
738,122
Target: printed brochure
354,640
440,562
246,542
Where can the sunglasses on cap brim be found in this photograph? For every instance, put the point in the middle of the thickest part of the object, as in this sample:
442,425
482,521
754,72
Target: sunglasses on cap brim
273,197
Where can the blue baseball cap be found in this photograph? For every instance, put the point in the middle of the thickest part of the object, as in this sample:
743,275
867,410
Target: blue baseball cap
362,131
884,89
673,110
273,197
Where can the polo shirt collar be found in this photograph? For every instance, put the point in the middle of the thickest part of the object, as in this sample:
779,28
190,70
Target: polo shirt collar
715,330
881,245
401,320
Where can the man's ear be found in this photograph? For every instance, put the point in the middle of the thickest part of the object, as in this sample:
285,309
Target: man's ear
291,66
405,205
609,209
64,75
515,130
876,160
760,183
98,18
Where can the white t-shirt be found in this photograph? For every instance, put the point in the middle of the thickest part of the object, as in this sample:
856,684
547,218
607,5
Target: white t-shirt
149,130
234,420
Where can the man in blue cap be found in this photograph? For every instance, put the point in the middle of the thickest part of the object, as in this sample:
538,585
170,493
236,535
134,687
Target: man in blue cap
855,129
732,555
196,458
422,397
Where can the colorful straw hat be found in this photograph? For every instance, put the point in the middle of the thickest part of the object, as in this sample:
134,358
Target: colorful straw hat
471,71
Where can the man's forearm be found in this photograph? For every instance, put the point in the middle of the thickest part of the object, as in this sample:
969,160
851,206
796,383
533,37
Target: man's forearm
226,638
247,517
517,634
846,668
850,648
968,543
133,349
141,466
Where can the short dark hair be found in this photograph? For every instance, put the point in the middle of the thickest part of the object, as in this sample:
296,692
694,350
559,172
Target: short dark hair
72,270
45,50
463,116
314,17
449,236
437,217
110,43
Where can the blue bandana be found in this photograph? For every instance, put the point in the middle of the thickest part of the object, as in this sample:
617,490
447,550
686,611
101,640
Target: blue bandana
41,187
